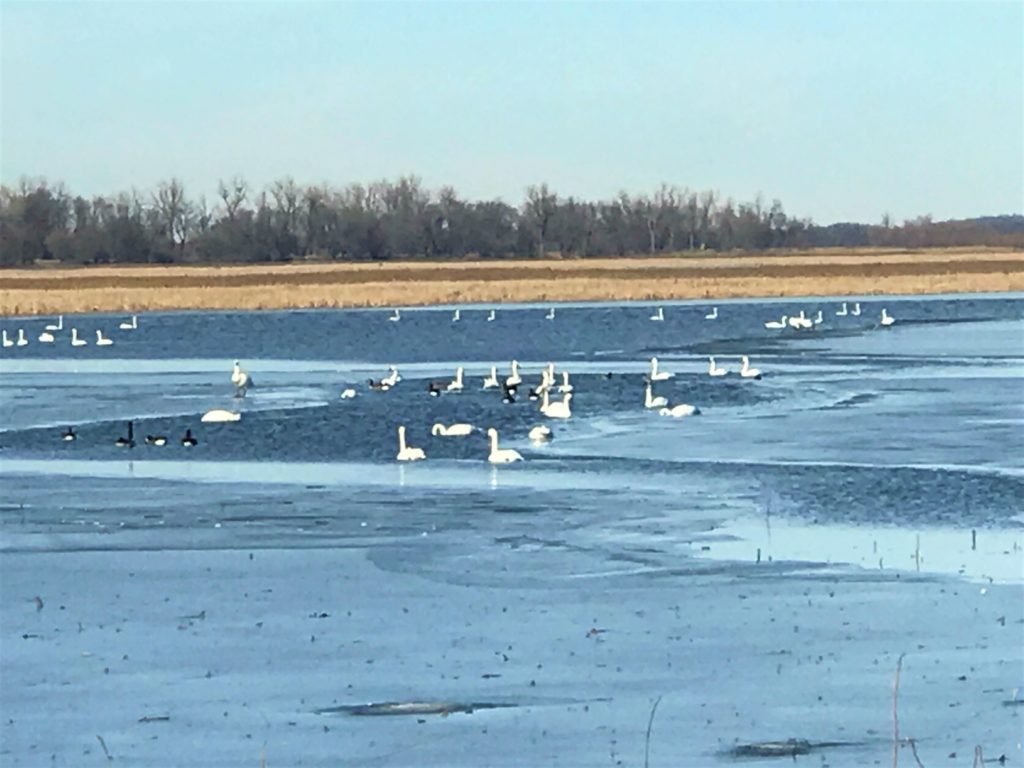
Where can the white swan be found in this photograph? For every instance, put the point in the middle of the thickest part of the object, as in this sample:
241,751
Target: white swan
456,384
491,316
7,342
747,372
565,386
556,410
657,375
650,401
22,341
455,430
712,315
714,369
818,318
515,379
774,324
887,319
241,380
129,325
856,309
406,453
491,382
220,416
659,315
348,394
550,315
75,341
58,326
679,411
396,316
500,455
843,312
800,321
101,340
541,434
46,337
456,316
392,378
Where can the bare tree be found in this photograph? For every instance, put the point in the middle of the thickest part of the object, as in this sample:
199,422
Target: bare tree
539,208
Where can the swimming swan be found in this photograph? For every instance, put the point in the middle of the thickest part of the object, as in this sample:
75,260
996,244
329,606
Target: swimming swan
714,369
46,337
58,326
219,415
679,411
491,316
550,315
843,312
565,386
491,382
129,325
887,319
559,409
405,453
75,341
392,378
456,384
7,342
650,401
659,315
241,380
455,430
515,379
456,316
22,341
712,315
657,375
500,455
774,324
395,317
747,372
856,309
541,434
348,394
101,340
818,318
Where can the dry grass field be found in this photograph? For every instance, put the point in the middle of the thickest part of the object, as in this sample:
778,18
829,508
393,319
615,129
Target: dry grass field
306,284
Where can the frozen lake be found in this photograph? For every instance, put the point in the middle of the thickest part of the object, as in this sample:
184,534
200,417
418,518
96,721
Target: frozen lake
760,566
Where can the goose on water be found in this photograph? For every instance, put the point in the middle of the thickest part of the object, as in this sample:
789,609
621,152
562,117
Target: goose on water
396,316
68,435
679,411
856,309
659,315
101,340
220,415
508,394
58,326
714,369
842,311
129,325
712,315
46,337
655,374
747,372
75,340
650,401
454,430
157,440
887,319
241,380
491,382
405,452
189,440
500,455
22,341
7,342
127,441
348,394
776,324
559,409
435,388
455,385
541,434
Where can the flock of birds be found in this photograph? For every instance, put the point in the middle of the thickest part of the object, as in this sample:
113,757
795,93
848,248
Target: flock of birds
510,386
49,335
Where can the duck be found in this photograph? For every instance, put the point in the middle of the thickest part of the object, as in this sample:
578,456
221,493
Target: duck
776,324
101,340
405,452
58,326
241,380
491,316
550,315
22,340
46,337
491,382
456,316
129,325
886,319
500,455
129,440
219,415
378,386
842,311
455,430
396,316
559,409
657,375
68,435
679,411
856,309
7,342
455,385
565,386
541,434
393,377
714,369
747,372
712,315
514,379
659,315
189,440
650,401
157,440
75,340
348,394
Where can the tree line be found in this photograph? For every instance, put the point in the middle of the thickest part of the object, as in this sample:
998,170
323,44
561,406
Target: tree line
402,219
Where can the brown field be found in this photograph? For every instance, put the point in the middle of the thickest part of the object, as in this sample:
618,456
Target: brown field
306,284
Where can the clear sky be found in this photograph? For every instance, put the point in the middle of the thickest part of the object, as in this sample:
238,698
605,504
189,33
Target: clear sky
844,110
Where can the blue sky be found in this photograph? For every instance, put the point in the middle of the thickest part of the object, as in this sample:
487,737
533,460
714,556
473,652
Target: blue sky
843,110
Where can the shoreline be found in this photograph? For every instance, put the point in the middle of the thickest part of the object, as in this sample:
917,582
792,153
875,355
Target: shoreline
310,285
